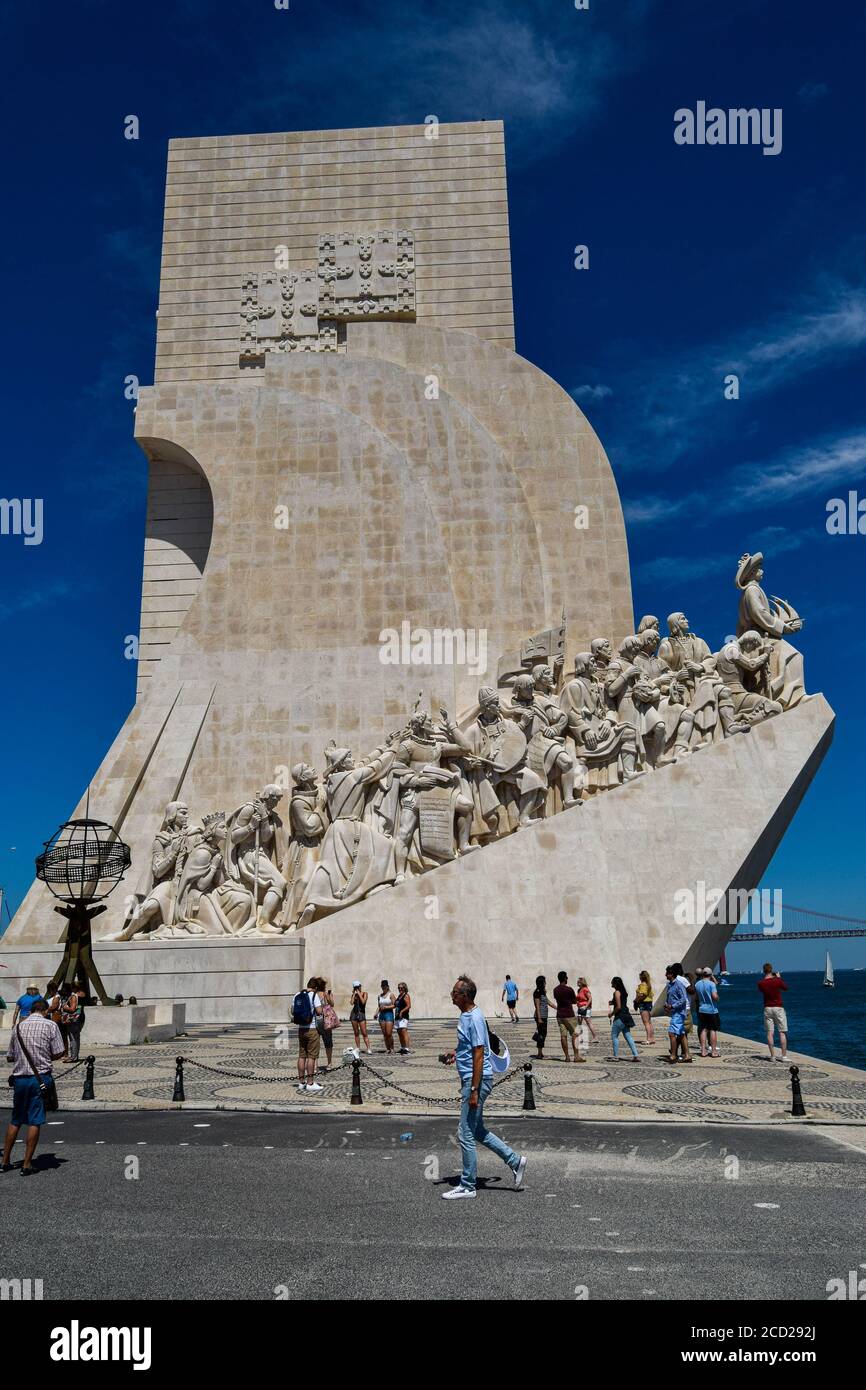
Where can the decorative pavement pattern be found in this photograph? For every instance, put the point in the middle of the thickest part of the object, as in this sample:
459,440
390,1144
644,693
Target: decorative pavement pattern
261,1061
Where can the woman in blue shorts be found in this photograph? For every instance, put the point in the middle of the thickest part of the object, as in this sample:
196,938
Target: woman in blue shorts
385,1014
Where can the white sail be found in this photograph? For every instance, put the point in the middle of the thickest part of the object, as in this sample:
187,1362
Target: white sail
828,971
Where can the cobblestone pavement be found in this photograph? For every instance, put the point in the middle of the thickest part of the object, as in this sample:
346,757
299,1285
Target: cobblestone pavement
742,1085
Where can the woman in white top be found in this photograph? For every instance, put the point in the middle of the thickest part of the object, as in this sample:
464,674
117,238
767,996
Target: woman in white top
385,1015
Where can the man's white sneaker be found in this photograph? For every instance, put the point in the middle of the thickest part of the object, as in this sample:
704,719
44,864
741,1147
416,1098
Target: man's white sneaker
459,1191
314,1086
518,1172
302,1085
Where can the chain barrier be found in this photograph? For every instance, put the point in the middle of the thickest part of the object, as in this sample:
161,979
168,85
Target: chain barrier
68,1069
248,1076
433,1100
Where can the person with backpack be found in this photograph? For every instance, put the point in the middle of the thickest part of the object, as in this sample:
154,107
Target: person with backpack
307,1010
329,1021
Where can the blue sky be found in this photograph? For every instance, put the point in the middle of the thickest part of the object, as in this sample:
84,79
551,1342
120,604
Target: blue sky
703,261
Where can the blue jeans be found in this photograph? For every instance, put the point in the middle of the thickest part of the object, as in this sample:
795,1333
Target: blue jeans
616,1028
472,1131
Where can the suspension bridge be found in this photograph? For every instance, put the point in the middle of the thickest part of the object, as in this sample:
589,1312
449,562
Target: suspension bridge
803,924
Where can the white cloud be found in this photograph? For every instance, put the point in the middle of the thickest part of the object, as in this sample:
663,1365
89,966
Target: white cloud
590,393
671,399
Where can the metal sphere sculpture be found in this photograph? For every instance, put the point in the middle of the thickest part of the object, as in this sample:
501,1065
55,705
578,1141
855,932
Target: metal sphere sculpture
83,861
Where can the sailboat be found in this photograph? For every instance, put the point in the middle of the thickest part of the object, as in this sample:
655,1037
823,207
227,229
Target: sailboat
828,973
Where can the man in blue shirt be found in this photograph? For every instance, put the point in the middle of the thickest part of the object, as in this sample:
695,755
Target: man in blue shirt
677,1004
475,1071
511,994
24,1005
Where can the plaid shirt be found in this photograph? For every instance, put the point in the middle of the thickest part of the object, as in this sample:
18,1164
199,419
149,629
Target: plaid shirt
44,1041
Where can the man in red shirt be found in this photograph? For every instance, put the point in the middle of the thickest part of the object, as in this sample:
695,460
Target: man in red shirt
771,987
565,1016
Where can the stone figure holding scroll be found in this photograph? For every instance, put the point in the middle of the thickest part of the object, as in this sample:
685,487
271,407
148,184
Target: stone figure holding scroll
433,803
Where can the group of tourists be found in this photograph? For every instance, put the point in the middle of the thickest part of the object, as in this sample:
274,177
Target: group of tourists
574,1013
64,1006
315,1013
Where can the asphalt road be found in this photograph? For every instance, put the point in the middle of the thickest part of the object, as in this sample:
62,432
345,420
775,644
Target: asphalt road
224,1206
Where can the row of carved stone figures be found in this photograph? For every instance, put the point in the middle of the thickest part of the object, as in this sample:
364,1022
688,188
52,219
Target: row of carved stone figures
435,791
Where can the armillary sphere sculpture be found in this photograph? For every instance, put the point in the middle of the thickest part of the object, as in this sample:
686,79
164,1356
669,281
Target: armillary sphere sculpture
82,863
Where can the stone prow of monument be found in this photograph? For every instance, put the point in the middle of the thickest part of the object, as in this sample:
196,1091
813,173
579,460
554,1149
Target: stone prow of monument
339,447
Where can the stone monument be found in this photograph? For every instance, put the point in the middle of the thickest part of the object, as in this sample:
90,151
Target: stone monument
371,625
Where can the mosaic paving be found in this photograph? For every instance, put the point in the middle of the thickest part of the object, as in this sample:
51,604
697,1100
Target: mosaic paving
248,1067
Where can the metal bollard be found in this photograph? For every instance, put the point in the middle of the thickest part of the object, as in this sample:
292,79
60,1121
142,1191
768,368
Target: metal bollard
356,1098
87,1093
797,1106
528,1095
178,1079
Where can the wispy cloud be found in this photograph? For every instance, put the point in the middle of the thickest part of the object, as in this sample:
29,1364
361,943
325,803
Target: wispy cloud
810,469
591,393
554,65
813,91
39,596
806,470
672,396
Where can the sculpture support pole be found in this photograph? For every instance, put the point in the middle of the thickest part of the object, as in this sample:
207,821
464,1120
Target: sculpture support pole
78,956
256,876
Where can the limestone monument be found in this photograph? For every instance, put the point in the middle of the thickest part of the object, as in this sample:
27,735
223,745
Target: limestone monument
359,491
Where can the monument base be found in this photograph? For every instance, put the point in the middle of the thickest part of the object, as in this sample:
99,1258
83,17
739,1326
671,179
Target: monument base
132,1023
219,981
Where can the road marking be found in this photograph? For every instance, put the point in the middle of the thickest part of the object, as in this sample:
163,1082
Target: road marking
594,1218
201,1126
611,1233
637,1269
269,1146
140,1142
100,1141
56,1122
184,1144
767,1206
